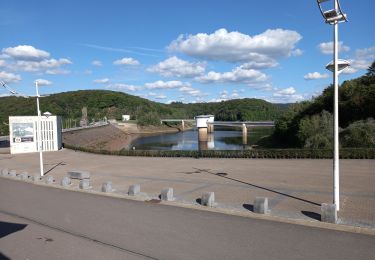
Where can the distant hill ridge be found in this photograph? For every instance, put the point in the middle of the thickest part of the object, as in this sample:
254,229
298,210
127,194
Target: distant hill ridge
111,104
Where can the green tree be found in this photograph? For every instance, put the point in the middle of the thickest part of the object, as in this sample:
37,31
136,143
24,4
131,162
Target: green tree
359,134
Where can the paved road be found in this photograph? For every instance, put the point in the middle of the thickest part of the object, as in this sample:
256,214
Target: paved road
166,232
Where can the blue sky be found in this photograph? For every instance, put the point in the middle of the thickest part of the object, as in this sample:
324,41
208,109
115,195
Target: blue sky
188,51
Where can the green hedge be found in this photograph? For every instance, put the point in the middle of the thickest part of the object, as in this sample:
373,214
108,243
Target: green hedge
345,153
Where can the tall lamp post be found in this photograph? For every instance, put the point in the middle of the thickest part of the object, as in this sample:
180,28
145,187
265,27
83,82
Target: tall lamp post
40,144
334,17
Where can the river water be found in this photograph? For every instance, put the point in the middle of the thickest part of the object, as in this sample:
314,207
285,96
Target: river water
222,139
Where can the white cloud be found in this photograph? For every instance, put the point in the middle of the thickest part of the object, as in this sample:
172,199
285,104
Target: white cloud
327,47
57,72
166,84
126,61
237,75
123,87
287,95
26,52
237,47
160,97
191,91
315,75
9,77
2,63
101,81
43,82
260,63
49,66
175,67
361,61
96,63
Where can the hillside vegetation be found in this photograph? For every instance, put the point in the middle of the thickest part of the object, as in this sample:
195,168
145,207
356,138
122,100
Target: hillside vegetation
110,104
310,124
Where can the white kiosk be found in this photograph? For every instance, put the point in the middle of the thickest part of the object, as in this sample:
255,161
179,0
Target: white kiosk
23,134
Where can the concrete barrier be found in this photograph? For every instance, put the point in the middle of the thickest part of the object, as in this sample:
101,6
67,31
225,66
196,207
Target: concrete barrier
4,172
12,173
23,176
134,190
328,213
208,199
49,179
84,184
66,181
261,205
36,178
77,174
107,186
167,194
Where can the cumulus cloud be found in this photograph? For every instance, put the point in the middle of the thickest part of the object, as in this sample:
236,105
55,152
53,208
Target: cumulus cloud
101,81
44,82
191,91
327,47
237,75
160,97
9,77
2,63
361,61
123,87
96,63
175,67
26,52
237,47
30,59
166,84
287,95
49,65
126,61
315,75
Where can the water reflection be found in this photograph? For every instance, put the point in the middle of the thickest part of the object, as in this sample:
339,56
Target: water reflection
221,139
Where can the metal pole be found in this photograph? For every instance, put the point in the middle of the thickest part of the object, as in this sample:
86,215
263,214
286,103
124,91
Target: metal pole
39,131
336,166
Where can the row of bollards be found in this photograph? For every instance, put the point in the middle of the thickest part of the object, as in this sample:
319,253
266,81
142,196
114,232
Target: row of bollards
260,206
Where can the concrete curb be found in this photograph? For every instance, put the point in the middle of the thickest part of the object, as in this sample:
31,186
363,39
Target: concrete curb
266,217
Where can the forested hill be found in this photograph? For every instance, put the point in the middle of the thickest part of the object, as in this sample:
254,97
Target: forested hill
309,124
110,104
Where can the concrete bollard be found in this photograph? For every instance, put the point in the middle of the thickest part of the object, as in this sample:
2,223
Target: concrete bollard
49,179
36,177
167,194
261,205
23,176
12,173
66,181
208,199
328,213
4,172
84,184
134,190
107,186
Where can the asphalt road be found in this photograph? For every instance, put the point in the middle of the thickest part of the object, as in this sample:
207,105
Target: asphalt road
149,230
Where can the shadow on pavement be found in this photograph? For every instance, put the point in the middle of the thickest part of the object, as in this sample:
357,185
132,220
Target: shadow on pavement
224,175
312,215
4,257
249,207
53,167
7,228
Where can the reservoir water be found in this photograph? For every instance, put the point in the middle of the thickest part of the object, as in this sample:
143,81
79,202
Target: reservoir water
221,139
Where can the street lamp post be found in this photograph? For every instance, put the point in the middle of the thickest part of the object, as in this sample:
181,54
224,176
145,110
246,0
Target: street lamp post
40,144
334,17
